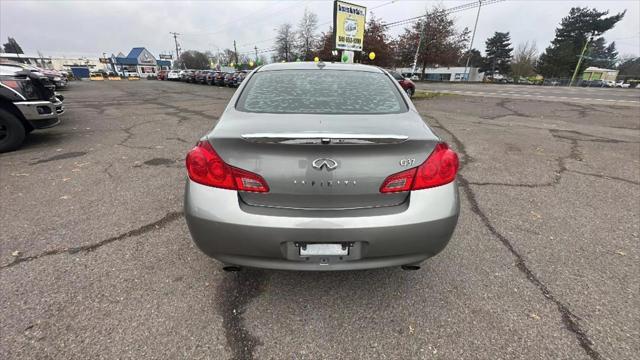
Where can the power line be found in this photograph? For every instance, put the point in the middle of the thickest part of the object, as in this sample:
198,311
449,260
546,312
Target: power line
451,10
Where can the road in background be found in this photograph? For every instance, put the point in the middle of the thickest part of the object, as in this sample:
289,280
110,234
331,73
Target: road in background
543,264
600,96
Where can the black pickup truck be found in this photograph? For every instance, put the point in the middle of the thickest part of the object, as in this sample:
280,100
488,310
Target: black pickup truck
28,101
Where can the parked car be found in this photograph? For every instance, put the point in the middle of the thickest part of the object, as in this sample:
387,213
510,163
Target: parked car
201,76
28,101
56,78
173,75
609,83
621,84
186,75
228,79
211,77
162,74
219,78
237,80
408,85
346,176
191,76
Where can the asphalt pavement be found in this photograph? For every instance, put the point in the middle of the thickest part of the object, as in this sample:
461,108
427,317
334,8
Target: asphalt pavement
582,95
96,261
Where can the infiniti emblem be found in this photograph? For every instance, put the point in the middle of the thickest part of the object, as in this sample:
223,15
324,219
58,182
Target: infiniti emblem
330,164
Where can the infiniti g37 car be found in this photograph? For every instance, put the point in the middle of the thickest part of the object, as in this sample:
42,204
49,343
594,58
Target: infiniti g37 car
321,167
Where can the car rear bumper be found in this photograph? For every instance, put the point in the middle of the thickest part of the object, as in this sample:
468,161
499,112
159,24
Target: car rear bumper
225,228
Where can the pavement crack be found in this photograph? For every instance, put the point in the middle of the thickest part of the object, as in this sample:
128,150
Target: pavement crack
128,131
580,136
603,176
237,290
63,156
569,319
511,112
158,224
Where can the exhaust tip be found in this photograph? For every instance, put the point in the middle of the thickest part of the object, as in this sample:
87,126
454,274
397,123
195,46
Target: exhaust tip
410,267
231,268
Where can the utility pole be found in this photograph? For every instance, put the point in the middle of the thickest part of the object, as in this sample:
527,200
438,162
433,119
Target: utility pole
415,59
575,72
256,48
466,76
235,51
175,39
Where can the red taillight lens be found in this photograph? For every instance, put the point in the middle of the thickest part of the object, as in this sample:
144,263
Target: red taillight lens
439,169
401,181
207,168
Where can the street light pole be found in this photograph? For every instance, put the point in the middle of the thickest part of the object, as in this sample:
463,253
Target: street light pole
584,49
475,26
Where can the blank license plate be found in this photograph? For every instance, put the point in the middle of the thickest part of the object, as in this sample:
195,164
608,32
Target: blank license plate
323,249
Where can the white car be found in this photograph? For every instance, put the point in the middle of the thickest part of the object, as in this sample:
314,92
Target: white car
173,75
621,84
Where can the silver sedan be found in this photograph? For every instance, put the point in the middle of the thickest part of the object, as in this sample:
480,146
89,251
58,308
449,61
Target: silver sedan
321,166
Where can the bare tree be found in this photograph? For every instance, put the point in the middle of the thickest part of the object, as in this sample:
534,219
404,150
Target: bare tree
285,43
307,36
524,60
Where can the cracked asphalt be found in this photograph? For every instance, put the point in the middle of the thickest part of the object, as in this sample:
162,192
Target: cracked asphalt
96,260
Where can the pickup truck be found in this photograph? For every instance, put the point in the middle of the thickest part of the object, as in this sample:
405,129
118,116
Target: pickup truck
28,101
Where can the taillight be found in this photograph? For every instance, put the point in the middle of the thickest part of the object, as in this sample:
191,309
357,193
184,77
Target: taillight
207,168
439,169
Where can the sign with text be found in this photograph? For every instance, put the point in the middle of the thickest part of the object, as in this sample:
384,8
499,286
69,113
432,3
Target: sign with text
348,25
166,56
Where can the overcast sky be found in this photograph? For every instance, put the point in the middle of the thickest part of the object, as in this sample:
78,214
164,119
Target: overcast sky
89,28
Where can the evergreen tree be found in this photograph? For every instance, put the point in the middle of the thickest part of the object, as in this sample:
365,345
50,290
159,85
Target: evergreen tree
561,57
476,59
602,56
498,53
11,46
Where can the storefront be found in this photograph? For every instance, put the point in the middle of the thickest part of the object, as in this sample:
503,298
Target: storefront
139,61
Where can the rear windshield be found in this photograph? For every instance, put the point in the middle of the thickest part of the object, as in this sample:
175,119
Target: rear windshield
321,92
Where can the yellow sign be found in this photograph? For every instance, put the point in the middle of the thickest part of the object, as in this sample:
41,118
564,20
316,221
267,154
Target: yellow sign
348,22
372,55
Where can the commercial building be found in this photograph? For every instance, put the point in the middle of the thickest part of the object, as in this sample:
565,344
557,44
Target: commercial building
594,73
139,61
444,73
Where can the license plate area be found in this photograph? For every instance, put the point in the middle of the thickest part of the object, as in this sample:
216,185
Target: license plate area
324,249
323,253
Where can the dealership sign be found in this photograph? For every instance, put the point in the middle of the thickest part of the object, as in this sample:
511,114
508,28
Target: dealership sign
348,25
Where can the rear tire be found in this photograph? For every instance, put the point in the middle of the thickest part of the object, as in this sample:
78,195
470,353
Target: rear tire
410,92
12,132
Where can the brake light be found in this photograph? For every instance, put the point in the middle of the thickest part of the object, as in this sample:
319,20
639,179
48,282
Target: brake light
205,167
439,169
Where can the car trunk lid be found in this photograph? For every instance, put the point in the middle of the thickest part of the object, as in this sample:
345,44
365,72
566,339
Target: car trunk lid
320,161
